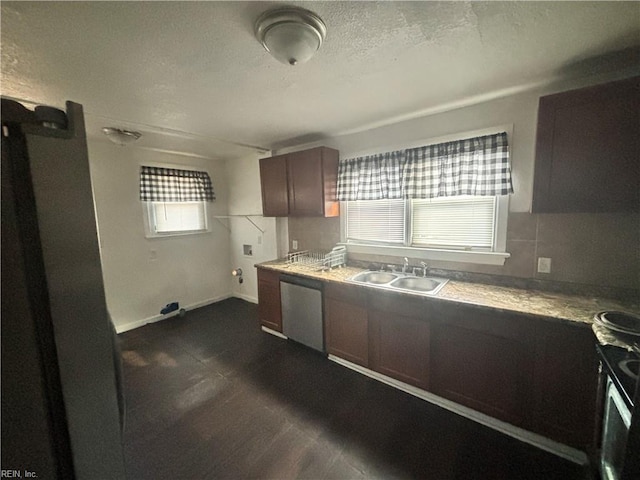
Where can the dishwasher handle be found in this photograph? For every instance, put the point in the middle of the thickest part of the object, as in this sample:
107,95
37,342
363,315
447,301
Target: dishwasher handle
301,281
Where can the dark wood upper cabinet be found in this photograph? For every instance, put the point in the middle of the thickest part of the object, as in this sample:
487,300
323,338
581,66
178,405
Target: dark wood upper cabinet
300,184
273,179
588,150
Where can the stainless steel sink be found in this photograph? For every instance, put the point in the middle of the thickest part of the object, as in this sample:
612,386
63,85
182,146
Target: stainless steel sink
419,284
377,278
400,282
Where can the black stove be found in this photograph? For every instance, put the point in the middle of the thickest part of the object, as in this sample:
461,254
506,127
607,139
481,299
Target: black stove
622,366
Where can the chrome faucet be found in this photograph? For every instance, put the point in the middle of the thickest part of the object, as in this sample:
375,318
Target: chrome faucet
425,267
406,265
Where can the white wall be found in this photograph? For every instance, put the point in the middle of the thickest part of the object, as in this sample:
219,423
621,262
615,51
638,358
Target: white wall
245,206
142,275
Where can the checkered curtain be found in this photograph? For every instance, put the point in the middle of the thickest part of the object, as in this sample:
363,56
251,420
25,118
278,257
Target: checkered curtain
373,177
474,166
174,185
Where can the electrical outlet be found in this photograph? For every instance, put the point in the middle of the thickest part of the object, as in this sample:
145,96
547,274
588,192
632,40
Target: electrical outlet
544,265
294,243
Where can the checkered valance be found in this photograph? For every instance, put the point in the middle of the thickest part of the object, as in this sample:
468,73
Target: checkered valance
474,166
174,185
373,177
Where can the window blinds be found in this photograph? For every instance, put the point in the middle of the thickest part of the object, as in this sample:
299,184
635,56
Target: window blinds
380,221
454,222
179,216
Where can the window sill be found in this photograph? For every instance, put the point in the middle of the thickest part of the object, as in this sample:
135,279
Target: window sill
175,234
482,258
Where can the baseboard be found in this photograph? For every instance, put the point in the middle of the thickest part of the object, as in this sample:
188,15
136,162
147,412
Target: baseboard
273,332
564,451
156,318
248,298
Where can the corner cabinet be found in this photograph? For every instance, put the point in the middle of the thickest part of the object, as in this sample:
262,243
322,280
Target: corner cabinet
588,150
300,184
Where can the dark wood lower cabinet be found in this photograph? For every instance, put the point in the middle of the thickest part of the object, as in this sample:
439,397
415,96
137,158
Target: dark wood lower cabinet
536,374
486,372
346,331
399,347
565,384
269,308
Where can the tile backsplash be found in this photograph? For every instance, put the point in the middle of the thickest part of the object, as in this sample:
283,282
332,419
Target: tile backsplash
592,249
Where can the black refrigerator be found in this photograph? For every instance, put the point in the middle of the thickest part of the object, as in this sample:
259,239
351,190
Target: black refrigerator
62,401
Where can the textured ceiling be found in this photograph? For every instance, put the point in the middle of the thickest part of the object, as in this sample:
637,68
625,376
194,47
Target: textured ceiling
195,67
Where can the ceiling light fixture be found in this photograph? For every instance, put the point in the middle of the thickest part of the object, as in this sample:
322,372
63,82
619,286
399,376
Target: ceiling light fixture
121,137
292,35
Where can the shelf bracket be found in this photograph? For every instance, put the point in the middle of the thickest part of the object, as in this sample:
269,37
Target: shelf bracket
218,217
253,223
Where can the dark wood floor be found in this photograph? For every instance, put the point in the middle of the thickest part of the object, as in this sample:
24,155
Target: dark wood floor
210,395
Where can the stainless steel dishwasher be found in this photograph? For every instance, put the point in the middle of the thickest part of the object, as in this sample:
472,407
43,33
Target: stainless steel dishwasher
301,300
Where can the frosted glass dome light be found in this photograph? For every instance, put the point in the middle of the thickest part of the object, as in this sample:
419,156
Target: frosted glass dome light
292,35
121,137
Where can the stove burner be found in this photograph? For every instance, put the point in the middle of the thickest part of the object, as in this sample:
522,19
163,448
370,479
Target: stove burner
631,367
622,322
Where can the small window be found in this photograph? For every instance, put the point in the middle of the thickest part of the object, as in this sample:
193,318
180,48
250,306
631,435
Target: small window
167,218
174,200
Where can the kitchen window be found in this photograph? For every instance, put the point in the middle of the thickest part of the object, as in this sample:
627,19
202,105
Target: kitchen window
176,218
175,200
462,223
453,202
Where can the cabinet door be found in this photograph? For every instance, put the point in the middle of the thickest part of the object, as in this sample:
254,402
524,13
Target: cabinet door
346,331
269,309
306,189
588,150
482,370
273,181
399,347
566,384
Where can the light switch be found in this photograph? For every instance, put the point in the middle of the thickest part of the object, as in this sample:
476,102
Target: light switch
544,265
294,243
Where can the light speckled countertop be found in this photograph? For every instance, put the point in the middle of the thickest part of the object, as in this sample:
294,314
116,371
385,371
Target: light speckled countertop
546,305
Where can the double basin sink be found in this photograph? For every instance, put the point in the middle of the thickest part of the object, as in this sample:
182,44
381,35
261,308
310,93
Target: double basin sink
400,282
